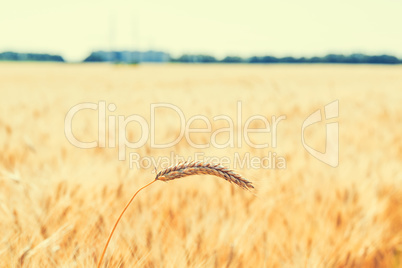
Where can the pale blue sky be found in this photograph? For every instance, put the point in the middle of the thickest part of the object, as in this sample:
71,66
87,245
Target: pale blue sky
253,27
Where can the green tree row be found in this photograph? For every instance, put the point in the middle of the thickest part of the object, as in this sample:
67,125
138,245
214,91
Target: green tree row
14,56
331,58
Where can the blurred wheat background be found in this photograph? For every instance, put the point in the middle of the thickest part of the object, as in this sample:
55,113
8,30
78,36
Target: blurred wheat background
58,202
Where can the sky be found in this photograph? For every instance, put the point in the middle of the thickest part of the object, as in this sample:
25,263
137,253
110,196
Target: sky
217,27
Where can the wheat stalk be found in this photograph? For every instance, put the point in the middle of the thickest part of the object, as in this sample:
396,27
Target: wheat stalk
183,170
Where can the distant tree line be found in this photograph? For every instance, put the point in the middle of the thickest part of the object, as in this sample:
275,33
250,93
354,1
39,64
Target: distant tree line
14,56
331,58
159,56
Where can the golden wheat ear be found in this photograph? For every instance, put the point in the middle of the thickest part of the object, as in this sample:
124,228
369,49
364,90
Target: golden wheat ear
183,170
202,168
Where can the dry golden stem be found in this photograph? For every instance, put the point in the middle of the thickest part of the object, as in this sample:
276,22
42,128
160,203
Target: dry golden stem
115,225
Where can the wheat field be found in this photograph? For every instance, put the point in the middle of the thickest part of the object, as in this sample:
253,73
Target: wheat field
58,202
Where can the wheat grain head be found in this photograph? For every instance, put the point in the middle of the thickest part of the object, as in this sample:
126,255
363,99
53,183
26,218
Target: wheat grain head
202,168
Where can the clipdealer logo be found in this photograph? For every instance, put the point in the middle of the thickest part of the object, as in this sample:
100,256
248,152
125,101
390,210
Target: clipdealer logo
238,131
